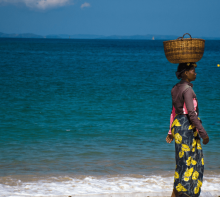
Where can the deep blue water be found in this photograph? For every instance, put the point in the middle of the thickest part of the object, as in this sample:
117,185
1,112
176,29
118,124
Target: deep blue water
96,107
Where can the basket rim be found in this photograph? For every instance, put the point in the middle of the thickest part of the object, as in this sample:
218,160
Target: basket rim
183,40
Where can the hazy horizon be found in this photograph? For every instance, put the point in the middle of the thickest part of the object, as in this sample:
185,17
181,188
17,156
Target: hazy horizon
107,18
92,36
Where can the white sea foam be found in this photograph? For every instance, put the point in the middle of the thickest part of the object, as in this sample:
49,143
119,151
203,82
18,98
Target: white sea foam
104,186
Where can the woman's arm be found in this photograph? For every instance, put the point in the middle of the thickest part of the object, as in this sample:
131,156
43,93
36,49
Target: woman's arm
172,116
188,99
169,137
171,121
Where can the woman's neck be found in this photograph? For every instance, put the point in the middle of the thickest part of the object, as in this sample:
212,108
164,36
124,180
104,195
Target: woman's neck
186,79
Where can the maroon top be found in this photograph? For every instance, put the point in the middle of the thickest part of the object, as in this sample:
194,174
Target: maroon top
183,92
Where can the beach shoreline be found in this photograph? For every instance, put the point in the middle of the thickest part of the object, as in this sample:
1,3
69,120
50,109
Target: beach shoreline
133,185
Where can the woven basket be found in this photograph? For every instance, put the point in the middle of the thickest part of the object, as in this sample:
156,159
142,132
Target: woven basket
184,50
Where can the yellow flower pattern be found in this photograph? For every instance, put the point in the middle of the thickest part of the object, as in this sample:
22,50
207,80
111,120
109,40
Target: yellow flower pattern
178,138
185,147
196,190
175,123
188,162
195,133
180,188
199,146
193,162
191,127
199,185
202,161
181,154
187,174
194,143
176,175
195,175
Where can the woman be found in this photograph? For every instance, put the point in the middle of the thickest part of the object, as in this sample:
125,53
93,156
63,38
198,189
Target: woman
186,128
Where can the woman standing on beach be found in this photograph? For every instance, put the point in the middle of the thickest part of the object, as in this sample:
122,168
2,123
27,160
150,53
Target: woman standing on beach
186,128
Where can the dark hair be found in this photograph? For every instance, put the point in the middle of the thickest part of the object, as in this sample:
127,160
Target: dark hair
182,67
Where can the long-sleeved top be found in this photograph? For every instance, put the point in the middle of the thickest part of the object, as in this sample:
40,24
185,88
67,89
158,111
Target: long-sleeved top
184,101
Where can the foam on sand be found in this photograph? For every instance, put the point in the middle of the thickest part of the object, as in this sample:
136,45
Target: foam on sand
121,185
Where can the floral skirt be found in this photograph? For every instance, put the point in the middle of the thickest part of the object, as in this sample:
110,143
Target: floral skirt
189,157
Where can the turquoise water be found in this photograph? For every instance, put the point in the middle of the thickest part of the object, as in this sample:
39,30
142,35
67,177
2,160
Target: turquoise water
97,108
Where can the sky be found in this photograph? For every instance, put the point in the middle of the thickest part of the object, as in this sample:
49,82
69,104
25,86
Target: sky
111,17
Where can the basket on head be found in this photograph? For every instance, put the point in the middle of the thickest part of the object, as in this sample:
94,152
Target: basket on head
184,50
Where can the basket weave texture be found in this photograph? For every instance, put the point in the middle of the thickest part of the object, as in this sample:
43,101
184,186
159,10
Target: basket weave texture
184,50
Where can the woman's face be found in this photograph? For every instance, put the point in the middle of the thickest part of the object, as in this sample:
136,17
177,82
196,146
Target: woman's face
191,74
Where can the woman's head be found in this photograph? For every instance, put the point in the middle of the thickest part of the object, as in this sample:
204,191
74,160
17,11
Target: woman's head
186,71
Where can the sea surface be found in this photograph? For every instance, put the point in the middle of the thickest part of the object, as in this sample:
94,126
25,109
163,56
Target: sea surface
90,117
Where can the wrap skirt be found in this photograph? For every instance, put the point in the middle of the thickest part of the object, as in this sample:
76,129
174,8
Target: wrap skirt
189,170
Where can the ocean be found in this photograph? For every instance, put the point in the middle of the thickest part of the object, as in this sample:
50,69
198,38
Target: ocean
90,117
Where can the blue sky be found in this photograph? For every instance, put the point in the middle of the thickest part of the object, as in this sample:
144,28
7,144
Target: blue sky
111,17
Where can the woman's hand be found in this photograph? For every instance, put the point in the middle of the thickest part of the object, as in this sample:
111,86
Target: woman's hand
205,140
169,138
